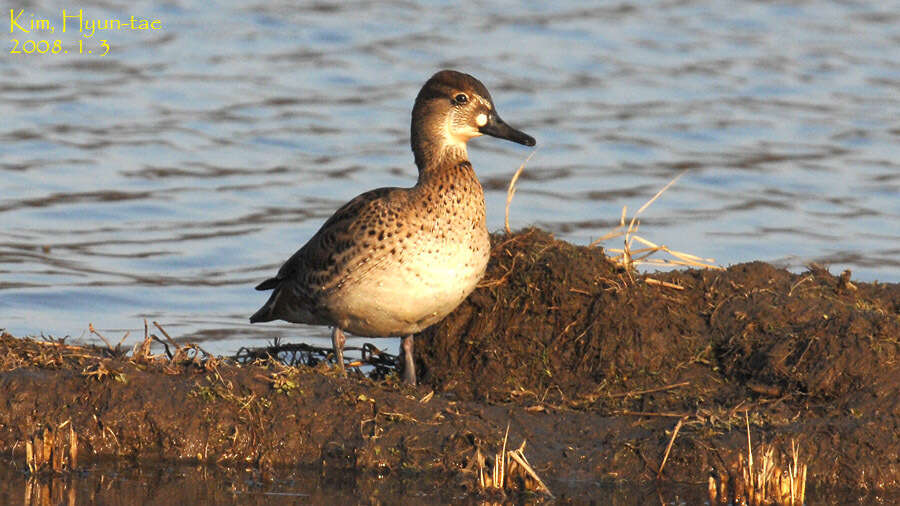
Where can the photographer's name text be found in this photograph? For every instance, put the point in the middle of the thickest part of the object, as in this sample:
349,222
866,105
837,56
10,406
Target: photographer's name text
27,23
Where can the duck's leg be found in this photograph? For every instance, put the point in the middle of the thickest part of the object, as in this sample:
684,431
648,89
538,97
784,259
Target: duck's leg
409,365
337,343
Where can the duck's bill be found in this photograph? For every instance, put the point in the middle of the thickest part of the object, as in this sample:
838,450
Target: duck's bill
498,128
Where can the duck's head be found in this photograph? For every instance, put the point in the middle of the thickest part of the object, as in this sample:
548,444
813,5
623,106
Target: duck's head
452,108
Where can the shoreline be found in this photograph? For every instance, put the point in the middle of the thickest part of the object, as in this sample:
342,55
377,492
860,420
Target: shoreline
600,372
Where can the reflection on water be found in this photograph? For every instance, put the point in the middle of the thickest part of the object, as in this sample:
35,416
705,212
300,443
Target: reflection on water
164,483
165,179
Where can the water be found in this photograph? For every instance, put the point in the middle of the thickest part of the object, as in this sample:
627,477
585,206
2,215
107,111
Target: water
167,483
120,482
163,180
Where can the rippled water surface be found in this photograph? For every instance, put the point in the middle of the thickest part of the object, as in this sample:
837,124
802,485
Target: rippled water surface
166,178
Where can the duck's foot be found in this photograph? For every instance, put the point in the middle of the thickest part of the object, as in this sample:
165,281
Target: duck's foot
409,364
337,343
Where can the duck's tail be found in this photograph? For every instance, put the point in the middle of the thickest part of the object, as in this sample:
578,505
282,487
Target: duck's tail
265,313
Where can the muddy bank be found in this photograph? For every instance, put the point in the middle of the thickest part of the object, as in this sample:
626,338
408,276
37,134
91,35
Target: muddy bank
593,367
810,357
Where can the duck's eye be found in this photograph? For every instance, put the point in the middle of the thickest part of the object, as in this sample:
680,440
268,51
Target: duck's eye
461,98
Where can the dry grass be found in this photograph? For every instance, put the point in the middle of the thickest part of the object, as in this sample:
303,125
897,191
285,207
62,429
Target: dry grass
628,257
509,470
52,449
662,465
97,361
765,480
511,190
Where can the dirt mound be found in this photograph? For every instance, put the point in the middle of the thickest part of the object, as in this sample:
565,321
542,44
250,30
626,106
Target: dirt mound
557,319
809,356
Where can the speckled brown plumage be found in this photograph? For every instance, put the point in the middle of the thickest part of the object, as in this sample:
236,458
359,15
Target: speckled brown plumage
393,261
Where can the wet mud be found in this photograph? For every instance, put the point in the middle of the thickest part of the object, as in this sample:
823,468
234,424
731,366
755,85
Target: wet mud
609,377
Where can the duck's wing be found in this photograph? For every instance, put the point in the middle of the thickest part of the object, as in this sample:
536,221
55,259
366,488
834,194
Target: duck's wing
347,246
344,249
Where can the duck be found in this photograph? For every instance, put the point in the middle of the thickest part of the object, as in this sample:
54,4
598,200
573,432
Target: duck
394,261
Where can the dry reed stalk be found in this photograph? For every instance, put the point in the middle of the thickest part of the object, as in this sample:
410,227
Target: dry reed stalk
53,450
510,467
664,284
94,331
616,232
761,481
662,464
797,475
511,190
141,350
109,347
636,393
168,338
626,412
628,257
635,223
749,446
518,455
